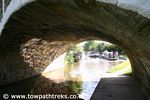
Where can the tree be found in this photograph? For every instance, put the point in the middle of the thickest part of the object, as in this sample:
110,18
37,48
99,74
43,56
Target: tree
69,58
100,47
70,55
90,46
116,48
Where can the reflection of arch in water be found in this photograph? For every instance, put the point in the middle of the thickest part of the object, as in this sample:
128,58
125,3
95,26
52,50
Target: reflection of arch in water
29,45
68,72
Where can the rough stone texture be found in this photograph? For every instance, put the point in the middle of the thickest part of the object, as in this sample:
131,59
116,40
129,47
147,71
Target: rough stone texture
40,31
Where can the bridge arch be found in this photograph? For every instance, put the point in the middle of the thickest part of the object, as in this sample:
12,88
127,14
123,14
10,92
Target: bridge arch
40,31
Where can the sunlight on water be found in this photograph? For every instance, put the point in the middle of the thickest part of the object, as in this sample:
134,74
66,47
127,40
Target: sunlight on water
88,72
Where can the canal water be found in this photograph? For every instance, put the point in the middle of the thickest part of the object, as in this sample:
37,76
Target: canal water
83,75
80,78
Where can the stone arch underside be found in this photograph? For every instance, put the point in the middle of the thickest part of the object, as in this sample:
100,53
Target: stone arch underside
41,31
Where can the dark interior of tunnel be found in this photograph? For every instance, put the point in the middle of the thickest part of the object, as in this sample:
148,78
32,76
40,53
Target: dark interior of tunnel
40,31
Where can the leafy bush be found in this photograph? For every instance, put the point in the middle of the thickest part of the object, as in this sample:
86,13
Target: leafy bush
69,58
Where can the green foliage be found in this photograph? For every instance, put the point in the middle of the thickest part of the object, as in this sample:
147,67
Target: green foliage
102,47
77,48
119,66
90,46
76,86
113,47
71,53
69,58
124,66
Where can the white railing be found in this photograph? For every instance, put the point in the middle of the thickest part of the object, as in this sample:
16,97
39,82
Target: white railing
4,7
13,6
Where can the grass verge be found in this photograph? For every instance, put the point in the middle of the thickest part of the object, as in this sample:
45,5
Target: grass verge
124,67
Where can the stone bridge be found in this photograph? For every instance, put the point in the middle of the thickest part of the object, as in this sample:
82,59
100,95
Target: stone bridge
35,32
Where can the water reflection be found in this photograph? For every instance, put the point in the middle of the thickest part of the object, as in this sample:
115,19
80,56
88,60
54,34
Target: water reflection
78,78
85,74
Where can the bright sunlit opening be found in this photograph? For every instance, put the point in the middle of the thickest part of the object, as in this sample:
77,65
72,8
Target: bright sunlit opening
86,63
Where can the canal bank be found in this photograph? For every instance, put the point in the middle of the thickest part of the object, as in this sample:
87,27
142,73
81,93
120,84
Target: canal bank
80,78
